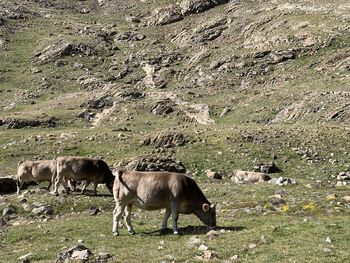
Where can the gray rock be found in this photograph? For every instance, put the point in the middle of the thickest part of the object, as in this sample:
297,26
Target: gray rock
80,252
213,174
167,139
152,163
102,257
43,210
13,123
194,241
129,36
285,181
9,210
2,222
165,15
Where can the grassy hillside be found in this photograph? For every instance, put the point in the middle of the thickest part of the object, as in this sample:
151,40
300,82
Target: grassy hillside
245,82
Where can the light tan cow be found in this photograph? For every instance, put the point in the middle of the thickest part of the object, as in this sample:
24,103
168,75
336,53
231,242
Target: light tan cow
244,177
35,171
175,192
83,169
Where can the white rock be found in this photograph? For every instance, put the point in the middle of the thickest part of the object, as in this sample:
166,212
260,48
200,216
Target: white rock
202,247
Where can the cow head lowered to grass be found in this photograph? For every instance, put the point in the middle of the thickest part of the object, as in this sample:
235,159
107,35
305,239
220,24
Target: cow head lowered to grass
177,193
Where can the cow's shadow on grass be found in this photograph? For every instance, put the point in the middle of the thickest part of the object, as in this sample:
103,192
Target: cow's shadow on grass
191,230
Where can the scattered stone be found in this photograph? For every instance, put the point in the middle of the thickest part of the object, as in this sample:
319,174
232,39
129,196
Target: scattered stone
283,181
25,258
164,15
202,247
2,222
43,210
101,102
86,115
328,240
129,36
167,139
13,123
102,257
213,175
224,112
163,107
252,246
212,234
331,197
194,241
328,250
346,198
9,210
132,19
267,168
152,163
209,255
8,185
61,48
78,252
94,211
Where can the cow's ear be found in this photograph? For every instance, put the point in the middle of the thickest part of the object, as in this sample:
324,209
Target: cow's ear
206,207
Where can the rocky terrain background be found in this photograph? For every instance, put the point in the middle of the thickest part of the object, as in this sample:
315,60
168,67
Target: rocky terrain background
189,85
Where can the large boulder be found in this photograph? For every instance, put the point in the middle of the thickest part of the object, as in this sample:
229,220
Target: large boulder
152,163
165,15
78,252
167,139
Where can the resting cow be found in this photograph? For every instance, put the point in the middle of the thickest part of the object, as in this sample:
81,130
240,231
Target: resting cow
83,169
35,171
175,192
249,177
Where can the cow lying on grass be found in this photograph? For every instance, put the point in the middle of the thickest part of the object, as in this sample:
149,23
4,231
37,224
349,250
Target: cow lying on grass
175,192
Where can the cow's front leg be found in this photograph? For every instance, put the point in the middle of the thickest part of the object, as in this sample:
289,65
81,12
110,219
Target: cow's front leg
57,181
128,219
175,216
117,214
165,219
19,186
85,185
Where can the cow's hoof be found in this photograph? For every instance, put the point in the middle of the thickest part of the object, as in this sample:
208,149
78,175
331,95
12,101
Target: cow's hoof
176,232
131,232
115,234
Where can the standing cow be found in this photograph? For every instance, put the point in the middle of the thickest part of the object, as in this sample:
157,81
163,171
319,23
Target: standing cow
175,192
83,169
35,171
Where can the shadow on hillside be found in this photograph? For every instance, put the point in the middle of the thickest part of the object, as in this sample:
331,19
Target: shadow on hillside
192,230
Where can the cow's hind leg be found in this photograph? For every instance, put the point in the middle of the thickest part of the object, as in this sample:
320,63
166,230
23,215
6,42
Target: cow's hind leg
175,216
165,219
128,209
117,214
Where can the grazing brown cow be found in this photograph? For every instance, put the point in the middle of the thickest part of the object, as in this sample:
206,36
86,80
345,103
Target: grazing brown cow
175,192
35,171
83,169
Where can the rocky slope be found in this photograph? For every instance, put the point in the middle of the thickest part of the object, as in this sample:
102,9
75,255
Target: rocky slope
202,67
